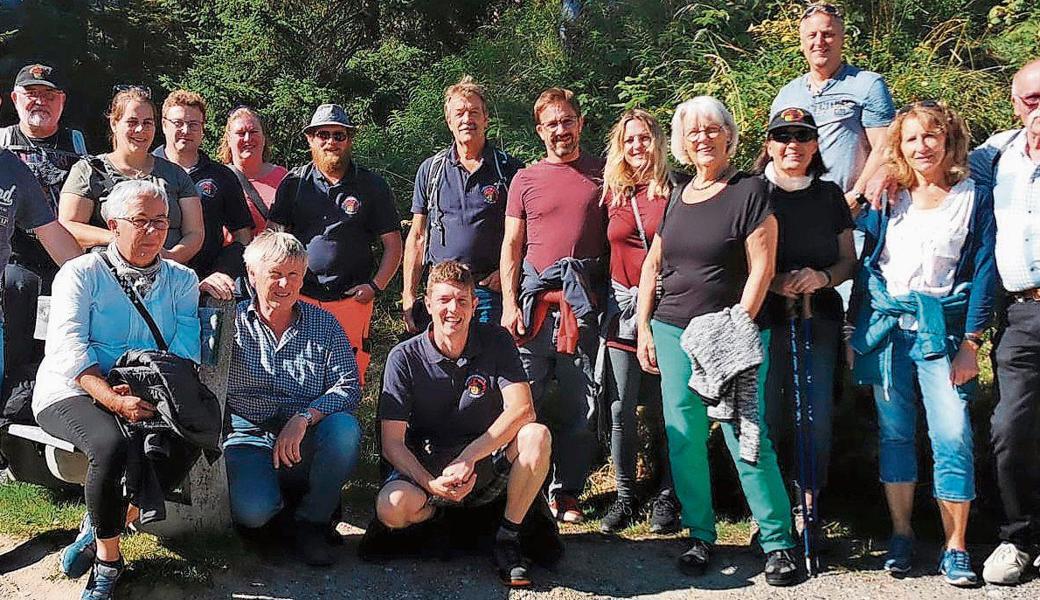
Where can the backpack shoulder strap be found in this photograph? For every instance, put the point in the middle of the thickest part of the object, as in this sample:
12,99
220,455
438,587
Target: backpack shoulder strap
79,143
433,197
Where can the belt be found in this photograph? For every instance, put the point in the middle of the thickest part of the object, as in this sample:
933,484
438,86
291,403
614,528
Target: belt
1030,295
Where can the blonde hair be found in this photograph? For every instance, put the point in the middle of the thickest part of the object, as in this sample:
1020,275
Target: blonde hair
224,149
709,109
618,177
273,247
184,98
466,86
118,107
937,117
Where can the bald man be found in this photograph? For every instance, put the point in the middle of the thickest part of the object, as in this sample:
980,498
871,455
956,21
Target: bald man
1008,163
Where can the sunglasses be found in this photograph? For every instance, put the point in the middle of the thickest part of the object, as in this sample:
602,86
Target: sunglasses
823,7
127,87
339,136
918,104
786,136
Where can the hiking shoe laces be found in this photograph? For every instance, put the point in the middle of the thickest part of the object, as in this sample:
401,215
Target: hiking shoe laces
780,568
77,558
102,582
664,514
618,517
1005,565
955,565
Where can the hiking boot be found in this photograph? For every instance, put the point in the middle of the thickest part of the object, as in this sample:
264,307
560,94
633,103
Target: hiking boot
565,508
311,544
664,514
695,560
1006,565
511,565
102,582
955,566
900,554
620,516
78,557
780,568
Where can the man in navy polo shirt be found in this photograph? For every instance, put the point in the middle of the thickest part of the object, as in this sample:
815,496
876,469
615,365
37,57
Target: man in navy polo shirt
458,423
223,202
338,208
459,207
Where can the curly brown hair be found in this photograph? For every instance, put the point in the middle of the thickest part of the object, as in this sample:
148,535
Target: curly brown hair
450,271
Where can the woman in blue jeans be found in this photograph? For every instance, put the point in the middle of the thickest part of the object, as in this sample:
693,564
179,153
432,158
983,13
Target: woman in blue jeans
924,297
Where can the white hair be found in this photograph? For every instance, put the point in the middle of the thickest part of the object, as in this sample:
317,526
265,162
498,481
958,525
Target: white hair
124,192
273,247
706,108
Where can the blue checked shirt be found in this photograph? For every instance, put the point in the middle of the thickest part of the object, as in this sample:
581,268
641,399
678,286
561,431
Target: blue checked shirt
311,366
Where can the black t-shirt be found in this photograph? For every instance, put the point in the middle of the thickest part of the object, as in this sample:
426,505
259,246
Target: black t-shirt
223,205
704,262
810,221
338,224
449,403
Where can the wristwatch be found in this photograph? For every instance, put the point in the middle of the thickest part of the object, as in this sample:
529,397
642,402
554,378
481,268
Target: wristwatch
974,339
307,416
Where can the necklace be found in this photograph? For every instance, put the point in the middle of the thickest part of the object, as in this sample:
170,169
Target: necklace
722,177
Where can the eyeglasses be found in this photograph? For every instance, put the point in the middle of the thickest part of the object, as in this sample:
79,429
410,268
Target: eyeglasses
708,132
193,126
823,7
918,104
786,136
130,87
1031,101
40,95
339,136
566,123
140,223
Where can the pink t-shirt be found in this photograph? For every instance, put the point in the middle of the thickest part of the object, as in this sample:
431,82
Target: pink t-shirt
560,202
266,186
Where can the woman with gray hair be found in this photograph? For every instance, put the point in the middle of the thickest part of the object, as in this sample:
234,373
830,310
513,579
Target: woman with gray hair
92,323
715,251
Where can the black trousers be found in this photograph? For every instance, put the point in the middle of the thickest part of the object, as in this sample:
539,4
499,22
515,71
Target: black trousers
1015,424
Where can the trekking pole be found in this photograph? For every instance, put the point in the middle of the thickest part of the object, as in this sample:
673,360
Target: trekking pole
793,314
808,432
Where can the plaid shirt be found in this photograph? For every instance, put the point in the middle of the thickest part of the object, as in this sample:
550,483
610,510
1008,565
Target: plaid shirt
311,366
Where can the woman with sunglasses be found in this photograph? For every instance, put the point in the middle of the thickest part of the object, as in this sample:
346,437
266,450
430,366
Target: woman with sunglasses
716,253
924,297
635,190
815,253
244,149
81,208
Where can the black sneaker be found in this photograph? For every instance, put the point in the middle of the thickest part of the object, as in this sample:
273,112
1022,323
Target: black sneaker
780,568
620,516
312,546
511,565
664,514
695,560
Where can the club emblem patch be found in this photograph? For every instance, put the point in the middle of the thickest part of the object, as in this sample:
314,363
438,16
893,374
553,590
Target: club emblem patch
39,71
792,115
207,187
351,205
476,385
490,193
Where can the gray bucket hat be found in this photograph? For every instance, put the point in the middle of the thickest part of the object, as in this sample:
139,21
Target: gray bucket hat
330,114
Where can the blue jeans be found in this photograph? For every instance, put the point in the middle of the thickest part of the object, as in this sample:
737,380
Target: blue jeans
329,451
946,412
489,306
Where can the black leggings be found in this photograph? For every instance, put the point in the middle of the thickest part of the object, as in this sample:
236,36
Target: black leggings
95,432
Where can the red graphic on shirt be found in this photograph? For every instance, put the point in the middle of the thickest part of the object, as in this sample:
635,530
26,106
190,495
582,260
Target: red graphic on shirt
351,205
476,385
490,193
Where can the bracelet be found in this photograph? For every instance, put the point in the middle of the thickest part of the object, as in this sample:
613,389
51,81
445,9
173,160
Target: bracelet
974,339
372,282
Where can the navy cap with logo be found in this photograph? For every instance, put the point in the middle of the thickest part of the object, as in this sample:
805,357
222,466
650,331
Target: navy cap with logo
792,117
330,114
39,74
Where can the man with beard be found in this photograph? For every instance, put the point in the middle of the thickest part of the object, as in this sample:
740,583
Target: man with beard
49,150
553,271
338,208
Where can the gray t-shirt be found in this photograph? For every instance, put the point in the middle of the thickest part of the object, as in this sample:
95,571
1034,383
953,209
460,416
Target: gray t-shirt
94,178
22,203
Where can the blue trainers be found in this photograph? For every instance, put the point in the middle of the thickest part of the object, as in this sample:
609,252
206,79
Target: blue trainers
900,554
77,557
955,566
102,582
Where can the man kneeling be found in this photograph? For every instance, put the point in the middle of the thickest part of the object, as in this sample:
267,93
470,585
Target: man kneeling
292,391
458,423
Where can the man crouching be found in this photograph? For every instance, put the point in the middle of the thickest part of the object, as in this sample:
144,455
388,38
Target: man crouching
458,423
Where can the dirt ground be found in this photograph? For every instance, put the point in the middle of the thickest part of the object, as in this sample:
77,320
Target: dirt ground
594,566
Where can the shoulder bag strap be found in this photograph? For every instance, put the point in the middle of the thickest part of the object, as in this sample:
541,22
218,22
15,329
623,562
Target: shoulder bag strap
251,193
136,301
639,219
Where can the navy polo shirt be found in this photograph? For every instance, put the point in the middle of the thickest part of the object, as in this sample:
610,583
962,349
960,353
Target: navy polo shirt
472,206
223,205
449,403
338,224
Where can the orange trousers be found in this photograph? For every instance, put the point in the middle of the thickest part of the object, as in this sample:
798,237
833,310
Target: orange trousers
355,318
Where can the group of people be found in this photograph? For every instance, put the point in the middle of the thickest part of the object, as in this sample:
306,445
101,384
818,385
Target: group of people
861,228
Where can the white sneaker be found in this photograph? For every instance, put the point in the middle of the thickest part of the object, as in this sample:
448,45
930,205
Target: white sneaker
1006,565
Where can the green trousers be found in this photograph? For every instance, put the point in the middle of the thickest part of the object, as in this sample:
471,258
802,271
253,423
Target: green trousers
687,427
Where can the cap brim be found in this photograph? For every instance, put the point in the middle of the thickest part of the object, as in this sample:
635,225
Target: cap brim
786,125
38,82
308,128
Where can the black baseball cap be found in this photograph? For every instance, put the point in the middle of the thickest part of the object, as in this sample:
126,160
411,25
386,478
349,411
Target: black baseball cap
792,117
39,74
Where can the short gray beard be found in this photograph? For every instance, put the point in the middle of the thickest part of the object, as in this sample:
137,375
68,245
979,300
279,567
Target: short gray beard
38,118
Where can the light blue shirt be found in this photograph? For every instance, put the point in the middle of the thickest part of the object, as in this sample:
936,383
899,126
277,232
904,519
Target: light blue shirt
92,322
846,106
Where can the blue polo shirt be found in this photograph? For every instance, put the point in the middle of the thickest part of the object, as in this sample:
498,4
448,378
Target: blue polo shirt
846,106
449,403
338,224
472,207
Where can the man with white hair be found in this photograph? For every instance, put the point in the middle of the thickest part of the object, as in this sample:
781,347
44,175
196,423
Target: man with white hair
1008,163
292,394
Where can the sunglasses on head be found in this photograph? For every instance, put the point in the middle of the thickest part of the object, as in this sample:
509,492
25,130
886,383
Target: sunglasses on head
339,136
918,104
785,136
823,7
130,87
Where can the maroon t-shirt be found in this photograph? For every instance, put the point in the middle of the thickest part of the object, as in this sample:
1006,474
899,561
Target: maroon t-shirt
560,202
627,251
